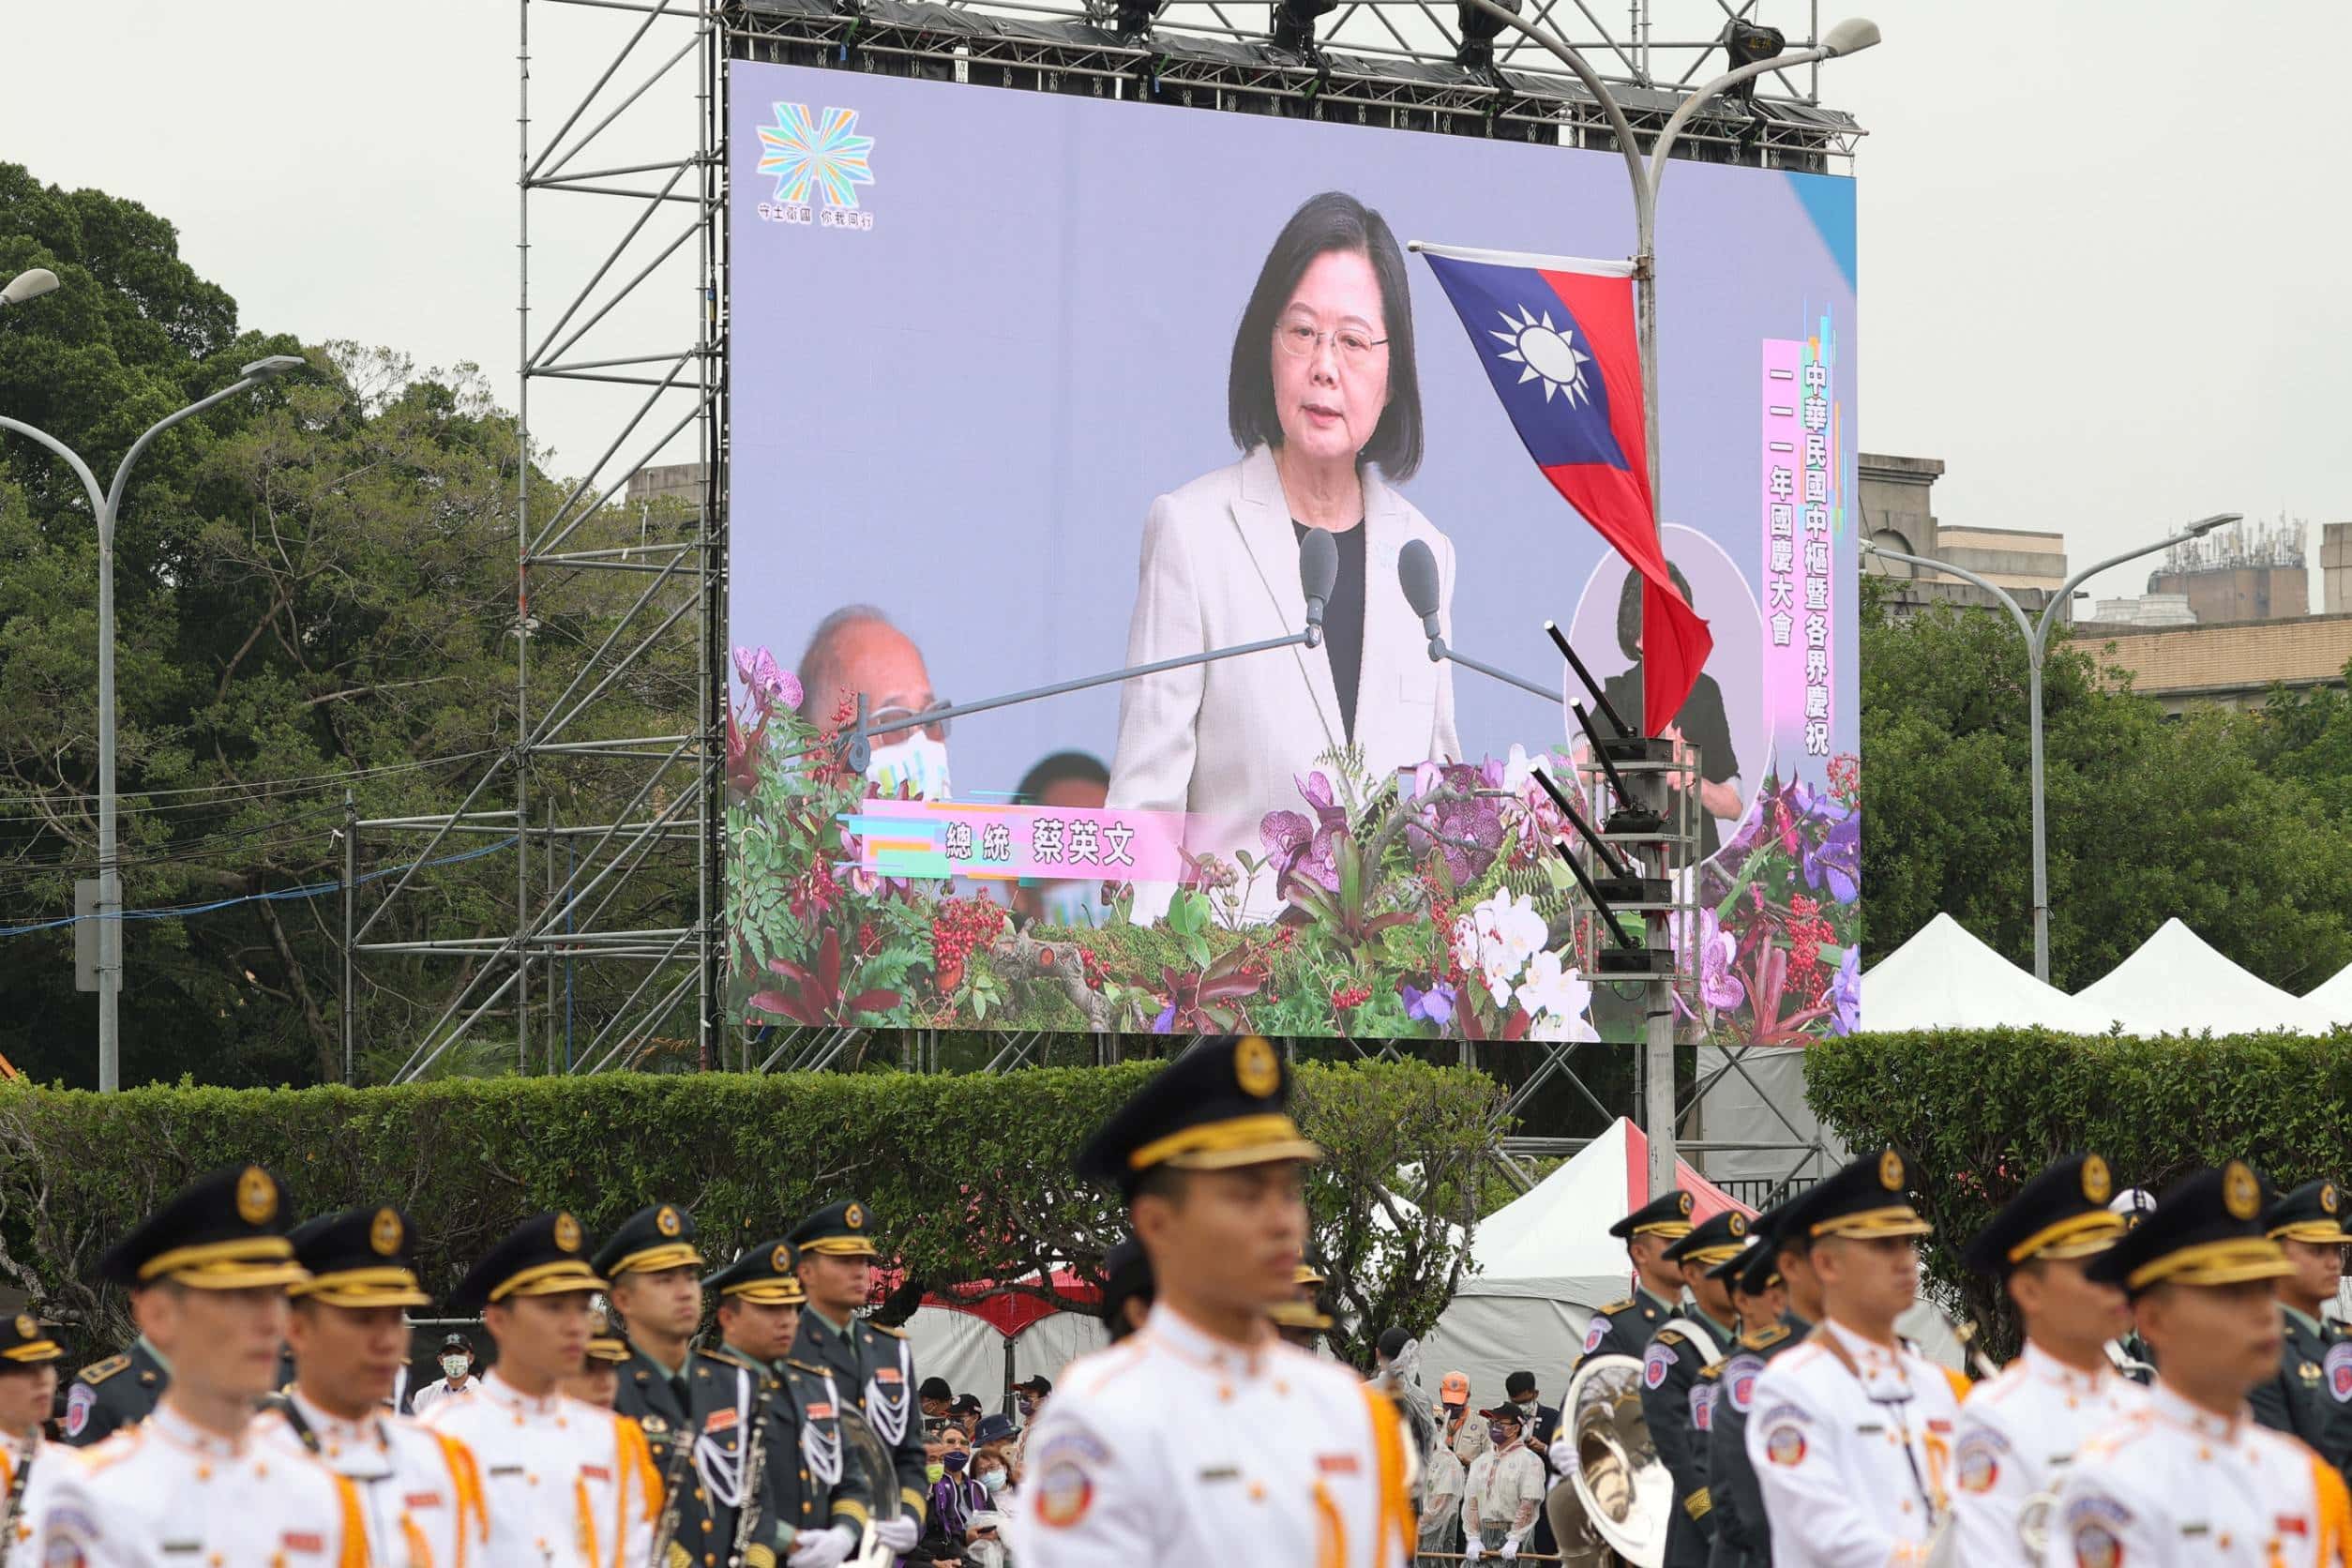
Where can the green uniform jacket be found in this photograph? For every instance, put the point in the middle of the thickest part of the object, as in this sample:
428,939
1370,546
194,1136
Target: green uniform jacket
1671,1390
108,1396
874,1369
1744,1535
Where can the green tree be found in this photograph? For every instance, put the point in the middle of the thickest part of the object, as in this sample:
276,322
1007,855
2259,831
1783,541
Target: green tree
2240,825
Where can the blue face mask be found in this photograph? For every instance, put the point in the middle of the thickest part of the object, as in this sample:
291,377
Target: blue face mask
954,1460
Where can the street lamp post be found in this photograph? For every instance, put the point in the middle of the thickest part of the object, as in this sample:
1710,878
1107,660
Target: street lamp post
106,506
1849,36
2037,636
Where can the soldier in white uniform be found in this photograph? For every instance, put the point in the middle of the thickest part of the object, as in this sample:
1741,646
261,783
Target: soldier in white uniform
192,1483
2189,1478
567,1484
1851,1432
2020,1429
419,1491
28,1385
1204,1438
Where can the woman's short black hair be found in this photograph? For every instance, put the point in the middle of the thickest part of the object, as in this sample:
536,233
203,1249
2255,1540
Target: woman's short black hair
1629,609
1334,220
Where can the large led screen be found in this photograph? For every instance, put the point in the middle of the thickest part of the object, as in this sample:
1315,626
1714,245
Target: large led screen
1025,389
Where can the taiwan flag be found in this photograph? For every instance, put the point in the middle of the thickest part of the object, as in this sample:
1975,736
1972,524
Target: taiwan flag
1558,340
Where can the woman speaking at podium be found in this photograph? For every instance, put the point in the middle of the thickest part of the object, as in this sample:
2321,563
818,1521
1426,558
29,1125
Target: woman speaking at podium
1323,403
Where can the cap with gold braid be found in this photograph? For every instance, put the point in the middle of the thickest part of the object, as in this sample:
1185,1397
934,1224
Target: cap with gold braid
1867,1200
226,1232
1667,1215
1716,1239
603,1344
1760,1268
2311,1213
2207,1230
24,1343
1224,1103
2062,1212
547,1254
844,1229
659,1236
359,1258
762,1274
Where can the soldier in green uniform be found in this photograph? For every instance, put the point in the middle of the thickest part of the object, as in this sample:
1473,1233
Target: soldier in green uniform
811,1501
1744,1535
686,1406
1684,1346
1623,1328
119,1392
872,1366
2310,1397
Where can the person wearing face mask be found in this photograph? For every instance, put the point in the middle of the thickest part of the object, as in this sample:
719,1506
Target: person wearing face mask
457,1374
955,1498
1066,782
856,652
1466,1438
1506,1490
1443,1476
993,1462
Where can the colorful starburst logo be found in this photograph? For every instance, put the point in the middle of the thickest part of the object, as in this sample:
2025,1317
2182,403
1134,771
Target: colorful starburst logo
824,153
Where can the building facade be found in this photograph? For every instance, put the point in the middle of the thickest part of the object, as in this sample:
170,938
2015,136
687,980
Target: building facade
1898,513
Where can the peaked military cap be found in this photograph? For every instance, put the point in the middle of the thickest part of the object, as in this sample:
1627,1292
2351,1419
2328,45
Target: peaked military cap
226,1232
1298,1315
1223,1103
2207,1230
603,1344
1731,1267
23,1341
2311,1213
2062,1212
1126,1274
359,1258
1713,1240
659,1236
762,1274
840,1230
1667,1215
1867,1200
547,1254
1761,1270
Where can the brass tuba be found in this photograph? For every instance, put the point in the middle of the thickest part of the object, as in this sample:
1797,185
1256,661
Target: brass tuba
1614,1501
861,1448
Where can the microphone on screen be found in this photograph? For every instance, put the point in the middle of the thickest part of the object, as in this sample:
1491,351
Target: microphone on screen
1318,573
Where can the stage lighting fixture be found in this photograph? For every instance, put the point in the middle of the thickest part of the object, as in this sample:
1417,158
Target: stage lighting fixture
1746,43
1480,29
1294,23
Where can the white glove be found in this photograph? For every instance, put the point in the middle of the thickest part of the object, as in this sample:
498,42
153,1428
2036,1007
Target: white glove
1510,1548
1475,1551
898,1534
824,1548
1565,1462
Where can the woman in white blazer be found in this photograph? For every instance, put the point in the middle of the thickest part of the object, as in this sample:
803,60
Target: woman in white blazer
1323,402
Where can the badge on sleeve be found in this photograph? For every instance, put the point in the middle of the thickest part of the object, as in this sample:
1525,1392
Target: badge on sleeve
2339,1367
1976,1462
1702,1406
1064,1493
78,1404
1785,1444
1739,1381
1595,1332
2094,1526
1656,1363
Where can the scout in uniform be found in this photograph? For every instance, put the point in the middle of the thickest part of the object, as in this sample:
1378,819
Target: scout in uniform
2310,1397
119,1392
2020,1429
873,1366
1740,1535
1684,1346
192,1484
566,1485
1623,1328
812,1500
2189,1478
28,1382
1504,1495
419,1492
1204,1438
1851,1433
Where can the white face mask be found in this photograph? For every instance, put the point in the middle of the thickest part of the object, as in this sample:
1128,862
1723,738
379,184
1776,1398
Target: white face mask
453,1366
991,1479
916,761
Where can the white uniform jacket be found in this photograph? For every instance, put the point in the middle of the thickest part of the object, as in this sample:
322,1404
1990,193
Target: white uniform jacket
1174,1449
2018,1432
18,1550
167,1494
1852,1451
2172,1485
565,1484
420,1492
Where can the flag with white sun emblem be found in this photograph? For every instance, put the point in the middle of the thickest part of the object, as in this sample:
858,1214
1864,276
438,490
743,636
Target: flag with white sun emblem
1558,340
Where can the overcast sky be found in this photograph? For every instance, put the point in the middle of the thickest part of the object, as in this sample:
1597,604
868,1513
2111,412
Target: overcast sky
2102,241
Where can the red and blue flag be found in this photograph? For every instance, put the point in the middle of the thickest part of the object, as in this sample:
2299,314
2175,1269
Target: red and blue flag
1558,340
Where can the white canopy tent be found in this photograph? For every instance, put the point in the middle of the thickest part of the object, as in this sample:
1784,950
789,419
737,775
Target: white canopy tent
1946,978
2177,985
2334,997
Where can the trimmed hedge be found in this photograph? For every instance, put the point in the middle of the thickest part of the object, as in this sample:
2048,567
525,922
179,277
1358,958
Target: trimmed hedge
1980,1113
967,1176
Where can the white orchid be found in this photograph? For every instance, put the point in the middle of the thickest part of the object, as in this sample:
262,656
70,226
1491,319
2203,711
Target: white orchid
1559,998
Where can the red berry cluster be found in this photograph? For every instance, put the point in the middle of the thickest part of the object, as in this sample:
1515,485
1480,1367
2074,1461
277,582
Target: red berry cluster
1091,967
961,927
1349,996
1846,777
1807,932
